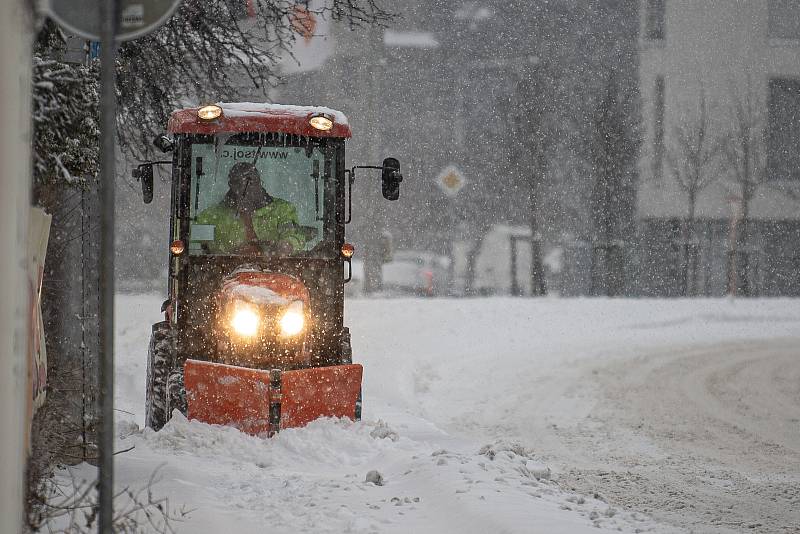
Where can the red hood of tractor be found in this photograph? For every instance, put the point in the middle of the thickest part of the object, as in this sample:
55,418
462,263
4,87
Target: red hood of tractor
264,288
259,117
273,295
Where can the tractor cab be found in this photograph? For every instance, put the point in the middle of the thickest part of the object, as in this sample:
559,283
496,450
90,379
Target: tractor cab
258,261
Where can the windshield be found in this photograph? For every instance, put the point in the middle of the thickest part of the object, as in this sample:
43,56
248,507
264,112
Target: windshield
250,197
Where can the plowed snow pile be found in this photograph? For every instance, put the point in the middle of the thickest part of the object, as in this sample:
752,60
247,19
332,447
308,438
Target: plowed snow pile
494,415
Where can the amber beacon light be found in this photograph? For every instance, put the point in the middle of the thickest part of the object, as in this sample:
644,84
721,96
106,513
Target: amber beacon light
208,113
177,247
348,250
321,121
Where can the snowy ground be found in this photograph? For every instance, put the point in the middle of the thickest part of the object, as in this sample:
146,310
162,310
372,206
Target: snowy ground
507,415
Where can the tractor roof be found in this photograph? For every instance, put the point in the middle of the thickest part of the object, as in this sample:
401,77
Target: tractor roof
259,117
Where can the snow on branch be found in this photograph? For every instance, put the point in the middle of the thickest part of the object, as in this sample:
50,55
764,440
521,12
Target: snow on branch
65,120
211,51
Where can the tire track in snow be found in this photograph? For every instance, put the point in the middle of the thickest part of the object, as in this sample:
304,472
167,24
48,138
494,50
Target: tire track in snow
705,438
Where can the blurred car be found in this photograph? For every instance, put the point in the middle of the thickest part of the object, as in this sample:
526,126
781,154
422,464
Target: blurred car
417,272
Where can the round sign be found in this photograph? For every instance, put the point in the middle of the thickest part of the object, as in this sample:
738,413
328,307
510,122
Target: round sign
137,17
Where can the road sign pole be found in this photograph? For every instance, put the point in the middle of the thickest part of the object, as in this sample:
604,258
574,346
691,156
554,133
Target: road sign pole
450,180
109,12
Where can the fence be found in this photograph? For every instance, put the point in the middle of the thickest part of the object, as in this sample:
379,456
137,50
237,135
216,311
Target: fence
68,427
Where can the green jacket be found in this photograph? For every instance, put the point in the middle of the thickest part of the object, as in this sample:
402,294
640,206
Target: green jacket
277,221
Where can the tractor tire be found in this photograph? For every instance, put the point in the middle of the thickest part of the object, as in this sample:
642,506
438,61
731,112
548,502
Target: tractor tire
160,358
176,392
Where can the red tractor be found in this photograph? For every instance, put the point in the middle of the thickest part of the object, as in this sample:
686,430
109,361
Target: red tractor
253,334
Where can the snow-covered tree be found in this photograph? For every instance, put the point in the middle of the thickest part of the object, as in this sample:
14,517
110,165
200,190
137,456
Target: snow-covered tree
213,50
65,117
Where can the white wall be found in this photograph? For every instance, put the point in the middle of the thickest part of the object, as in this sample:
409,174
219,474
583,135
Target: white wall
724,46
15,66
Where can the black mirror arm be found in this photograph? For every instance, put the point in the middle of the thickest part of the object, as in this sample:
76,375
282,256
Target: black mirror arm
379,167
150,164
137,173
351,178
146,163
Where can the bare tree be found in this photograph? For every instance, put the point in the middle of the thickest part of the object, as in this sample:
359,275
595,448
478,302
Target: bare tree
691,152
532,162
212,50
745,152
612,153
67,504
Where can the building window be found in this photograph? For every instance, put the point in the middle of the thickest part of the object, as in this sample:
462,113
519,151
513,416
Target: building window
784,19
654,19
783,141
658,127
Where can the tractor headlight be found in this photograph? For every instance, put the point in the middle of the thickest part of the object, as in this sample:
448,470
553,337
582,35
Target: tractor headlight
292,322
245,321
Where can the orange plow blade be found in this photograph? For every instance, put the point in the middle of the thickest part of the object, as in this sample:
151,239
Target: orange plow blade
261,402
320,392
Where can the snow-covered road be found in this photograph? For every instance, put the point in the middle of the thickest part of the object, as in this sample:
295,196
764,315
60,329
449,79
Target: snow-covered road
652,415
688,411
706,437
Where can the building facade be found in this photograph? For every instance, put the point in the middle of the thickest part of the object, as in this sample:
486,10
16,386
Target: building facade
718,202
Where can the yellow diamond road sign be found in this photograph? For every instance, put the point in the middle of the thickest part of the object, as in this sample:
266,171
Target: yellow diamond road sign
450,180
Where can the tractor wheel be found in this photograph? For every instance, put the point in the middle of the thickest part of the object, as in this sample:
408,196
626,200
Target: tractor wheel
176,392
159,362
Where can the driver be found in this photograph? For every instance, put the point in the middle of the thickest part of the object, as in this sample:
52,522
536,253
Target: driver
249,220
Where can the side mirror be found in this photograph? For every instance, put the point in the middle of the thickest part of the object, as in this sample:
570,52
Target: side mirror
391,178
144,173
164,143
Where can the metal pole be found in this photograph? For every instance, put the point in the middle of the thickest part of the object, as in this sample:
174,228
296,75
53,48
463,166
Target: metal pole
515,292
108,52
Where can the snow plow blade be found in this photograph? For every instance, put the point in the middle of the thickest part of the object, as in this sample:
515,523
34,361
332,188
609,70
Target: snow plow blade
261,402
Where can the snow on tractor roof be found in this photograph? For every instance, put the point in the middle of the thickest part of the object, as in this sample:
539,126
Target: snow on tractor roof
259,117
